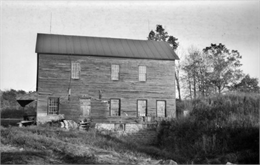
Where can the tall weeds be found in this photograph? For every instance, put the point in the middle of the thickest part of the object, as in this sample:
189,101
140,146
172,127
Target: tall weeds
218,129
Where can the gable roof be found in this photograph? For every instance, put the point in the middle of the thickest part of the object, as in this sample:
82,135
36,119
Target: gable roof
110,47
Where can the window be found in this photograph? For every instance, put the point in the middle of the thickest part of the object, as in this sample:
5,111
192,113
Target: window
114,107
161,108
142,73
114,72
142,107
75,70
53,105
85,107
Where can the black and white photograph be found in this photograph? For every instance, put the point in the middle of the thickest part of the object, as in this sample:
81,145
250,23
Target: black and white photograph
129,82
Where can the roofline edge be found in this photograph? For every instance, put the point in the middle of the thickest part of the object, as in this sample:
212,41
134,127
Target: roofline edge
104,56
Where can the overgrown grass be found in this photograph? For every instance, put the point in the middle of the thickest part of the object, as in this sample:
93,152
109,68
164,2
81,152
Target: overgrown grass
76,146
44,141
219,129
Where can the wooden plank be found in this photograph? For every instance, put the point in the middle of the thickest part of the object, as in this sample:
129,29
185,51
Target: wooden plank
54,77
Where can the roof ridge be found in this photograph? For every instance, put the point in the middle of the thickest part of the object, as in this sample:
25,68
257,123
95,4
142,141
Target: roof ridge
68,35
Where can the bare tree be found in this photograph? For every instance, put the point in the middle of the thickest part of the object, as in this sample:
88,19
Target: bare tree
191,67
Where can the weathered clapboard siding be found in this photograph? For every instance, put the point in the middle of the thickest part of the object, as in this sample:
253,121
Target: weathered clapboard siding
54,78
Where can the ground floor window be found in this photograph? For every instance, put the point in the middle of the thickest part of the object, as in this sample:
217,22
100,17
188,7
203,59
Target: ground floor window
115,107
85,107
142,107
161,108
53,105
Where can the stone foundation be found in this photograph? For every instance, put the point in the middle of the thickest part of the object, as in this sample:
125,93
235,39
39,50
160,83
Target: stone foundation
124,127
49,118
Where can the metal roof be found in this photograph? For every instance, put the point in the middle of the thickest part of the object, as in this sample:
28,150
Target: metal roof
97,46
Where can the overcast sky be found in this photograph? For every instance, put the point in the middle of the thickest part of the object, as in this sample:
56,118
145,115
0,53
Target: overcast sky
197,23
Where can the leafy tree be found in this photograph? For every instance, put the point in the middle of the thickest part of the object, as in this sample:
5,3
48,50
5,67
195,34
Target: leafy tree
161,35
225,65
8,99
247,85
212,70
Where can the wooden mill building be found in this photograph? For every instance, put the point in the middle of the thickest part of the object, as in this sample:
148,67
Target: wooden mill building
108,80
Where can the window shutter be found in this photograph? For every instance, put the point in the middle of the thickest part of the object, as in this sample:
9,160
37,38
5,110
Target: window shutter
78,70
72,70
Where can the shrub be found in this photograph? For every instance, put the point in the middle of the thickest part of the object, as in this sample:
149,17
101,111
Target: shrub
220,125
179,108
12,113
9,122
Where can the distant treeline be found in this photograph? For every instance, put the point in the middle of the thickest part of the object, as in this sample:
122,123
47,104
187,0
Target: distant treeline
8,99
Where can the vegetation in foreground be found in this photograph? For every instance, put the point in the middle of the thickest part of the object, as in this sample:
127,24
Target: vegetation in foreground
218,130
53,145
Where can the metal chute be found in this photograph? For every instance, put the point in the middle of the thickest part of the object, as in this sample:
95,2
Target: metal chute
26,98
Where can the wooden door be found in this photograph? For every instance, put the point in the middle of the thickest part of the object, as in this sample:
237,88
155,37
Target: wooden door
85,107
161,109
115,107
142,107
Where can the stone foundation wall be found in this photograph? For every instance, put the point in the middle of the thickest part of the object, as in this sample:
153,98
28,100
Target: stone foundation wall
141,133
125,127
49,118
103,126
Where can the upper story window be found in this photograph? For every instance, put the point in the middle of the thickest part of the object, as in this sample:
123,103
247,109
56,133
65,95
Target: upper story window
53,105
114,72
142,73
75,70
